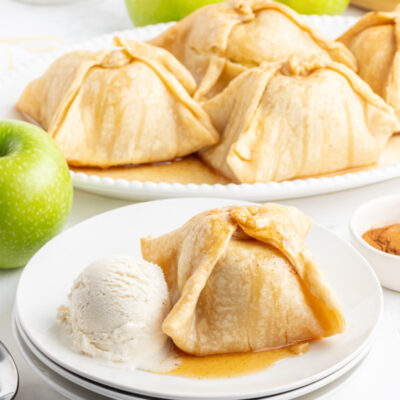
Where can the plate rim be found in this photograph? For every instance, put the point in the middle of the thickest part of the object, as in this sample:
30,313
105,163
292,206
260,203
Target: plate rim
21,343
158,393
358,359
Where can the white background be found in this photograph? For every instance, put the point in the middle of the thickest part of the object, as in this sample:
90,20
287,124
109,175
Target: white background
56,25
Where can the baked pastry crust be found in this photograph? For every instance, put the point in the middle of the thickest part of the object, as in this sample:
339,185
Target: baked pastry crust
296,119
375,42
119,107
242,279
218,42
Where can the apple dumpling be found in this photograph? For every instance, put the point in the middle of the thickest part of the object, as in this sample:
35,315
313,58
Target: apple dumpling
218,42
119,107
374,41
296,119
242,279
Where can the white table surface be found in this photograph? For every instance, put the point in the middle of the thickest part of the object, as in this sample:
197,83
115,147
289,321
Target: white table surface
78,20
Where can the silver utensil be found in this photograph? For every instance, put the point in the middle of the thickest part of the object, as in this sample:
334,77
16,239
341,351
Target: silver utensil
8,374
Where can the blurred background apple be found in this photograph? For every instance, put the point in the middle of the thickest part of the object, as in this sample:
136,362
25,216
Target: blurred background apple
328,7
144,12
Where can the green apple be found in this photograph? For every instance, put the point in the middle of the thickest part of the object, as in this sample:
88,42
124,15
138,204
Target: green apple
144,12
329,7
35,191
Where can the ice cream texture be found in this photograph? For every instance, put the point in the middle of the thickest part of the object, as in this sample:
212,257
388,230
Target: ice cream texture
116,308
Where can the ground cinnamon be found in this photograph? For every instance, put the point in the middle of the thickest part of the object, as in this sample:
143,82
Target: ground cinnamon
385,239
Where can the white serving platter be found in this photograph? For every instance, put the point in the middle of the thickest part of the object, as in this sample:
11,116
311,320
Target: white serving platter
48,277
13,83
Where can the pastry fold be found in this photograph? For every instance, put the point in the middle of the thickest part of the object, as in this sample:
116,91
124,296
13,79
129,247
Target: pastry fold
218,42
297,119
242,279
119,107
375,42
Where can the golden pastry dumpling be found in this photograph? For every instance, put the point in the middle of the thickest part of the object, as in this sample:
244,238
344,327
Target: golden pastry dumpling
119,107
296,119
242,279
218,42
374,41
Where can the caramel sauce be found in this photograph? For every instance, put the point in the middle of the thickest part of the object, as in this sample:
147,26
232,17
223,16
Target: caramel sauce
187,170
232,365
192,170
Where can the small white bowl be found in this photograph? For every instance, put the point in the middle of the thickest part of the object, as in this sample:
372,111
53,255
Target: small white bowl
375,214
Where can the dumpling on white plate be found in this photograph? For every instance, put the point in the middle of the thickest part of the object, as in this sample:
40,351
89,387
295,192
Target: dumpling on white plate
297,119
218,42
242,279
117,107
374,41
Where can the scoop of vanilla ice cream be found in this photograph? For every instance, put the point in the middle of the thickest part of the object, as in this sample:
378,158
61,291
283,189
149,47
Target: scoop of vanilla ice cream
116,308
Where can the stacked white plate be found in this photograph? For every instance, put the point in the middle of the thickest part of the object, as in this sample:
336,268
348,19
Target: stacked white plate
48,277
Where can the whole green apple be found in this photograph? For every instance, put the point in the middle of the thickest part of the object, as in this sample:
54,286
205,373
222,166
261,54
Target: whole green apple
144,12
329,7
35,191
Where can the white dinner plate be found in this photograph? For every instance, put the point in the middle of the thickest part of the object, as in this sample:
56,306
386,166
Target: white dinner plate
48,277
308,392
61,385
13,82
